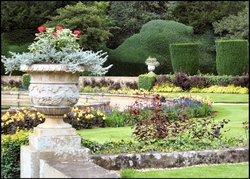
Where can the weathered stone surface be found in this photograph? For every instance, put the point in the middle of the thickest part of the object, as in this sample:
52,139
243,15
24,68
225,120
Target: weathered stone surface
69,169
174,159
52,143
29,161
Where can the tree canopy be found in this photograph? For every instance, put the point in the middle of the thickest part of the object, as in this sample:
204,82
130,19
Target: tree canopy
90,18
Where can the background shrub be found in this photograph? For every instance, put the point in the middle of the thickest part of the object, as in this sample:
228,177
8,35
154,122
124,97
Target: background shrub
26,80
117,118
198,81
242,81
152,40
185,57
182,80
10,153
146,81
232,57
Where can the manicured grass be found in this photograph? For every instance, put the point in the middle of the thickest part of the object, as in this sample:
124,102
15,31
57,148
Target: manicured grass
102,135
239,170
216,97
236,113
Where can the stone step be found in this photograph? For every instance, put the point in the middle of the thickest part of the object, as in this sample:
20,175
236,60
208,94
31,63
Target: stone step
74,169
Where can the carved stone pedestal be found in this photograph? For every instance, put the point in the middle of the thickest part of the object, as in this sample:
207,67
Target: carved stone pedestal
53,92
50,144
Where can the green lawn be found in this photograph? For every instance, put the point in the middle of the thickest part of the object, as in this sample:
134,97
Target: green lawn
216,97
103,135
239,170
236,113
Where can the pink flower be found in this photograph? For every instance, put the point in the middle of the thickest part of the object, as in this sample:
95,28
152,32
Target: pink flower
54,34
59,27
77,32
41,29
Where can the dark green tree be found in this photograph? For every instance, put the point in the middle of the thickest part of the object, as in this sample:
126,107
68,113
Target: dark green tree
90,18
201,14
234,26
129,17
27,14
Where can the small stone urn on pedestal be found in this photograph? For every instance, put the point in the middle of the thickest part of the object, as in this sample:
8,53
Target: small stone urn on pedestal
152,63
53,92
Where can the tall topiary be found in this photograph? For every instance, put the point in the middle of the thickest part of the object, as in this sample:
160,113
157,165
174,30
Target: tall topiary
232,57
153,40
185,57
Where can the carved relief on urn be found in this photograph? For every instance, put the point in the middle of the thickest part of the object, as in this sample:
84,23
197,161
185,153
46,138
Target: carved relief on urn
53,90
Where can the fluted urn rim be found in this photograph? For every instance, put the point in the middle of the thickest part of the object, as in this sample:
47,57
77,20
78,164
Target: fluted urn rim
46,68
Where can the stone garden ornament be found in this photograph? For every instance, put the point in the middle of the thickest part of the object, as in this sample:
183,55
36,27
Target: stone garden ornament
152,64
54,62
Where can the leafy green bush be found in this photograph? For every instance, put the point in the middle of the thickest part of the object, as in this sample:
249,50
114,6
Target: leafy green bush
146,81
232,57
26,80
117,118
10,153
153,40
185,57
163,145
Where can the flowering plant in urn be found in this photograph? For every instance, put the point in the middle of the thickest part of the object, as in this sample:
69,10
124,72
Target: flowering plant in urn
54,61
58,46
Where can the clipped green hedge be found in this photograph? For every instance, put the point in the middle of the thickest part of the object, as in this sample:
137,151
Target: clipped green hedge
26,80
185,57
146,81
152,40
232,57
10,153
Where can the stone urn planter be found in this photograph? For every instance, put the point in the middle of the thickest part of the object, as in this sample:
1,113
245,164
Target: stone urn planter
152,63
151,67
53,92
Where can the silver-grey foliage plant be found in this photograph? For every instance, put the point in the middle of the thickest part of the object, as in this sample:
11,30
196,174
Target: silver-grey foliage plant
58,46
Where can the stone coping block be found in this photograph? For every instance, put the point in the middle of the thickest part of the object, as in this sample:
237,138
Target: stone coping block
171,160
74,169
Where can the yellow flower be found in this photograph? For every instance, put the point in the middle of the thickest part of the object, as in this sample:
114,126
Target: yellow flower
80,114
89,116
5,116
99,113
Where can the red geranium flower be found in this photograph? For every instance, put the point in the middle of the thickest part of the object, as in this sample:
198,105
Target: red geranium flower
77,32
41,29
59,27
54,34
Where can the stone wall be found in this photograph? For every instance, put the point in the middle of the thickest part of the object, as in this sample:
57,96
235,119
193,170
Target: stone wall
170,160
